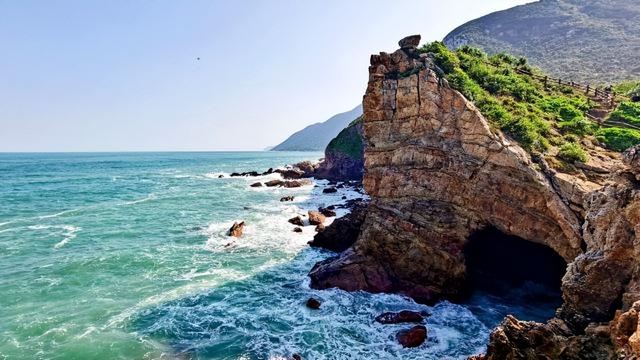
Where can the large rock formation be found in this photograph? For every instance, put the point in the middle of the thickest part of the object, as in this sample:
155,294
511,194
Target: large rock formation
437,173
344,156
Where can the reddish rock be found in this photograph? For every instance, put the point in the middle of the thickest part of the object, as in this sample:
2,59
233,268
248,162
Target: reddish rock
236,229
297,220
319,228
410,42
403,316
412,337
257,184
316,218
342,232
296,183
313,303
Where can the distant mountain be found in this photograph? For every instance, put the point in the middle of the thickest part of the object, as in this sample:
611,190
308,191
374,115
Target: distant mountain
594,41
316,137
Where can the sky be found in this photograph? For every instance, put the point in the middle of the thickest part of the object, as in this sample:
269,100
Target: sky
121,75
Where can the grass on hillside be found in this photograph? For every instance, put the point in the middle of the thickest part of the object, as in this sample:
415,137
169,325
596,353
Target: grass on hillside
348,141
549,119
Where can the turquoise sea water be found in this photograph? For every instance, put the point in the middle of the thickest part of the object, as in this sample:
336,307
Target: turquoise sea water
124,256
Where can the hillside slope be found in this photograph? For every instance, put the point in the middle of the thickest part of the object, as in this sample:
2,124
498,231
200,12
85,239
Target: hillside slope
317,136
594,41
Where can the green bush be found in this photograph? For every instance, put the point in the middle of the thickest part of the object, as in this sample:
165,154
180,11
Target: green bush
443,57
618,139
463,83
627,112
572,152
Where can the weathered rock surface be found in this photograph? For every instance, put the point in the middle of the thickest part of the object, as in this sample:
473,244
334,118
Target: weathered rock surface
316,218
412,337
342,232
257,184
236,229
313,303
327,212
438,173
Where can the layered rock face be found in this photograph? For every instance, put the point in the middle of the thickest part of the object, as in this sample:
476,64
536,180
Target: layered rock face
437,172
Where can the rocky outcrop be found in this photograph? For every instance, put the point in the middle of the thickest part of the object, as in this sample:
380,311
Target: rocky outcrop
412,337
343,231
344,156
236,229
437,173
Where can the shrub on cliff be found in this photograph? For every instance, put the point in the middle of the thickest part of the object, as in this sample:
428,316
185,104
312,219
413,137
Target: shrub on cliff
348,142
572,152
618,139
535,113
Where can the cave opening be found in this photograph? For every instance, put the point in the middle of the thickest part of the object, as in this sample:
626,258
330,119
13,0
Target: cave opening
510,275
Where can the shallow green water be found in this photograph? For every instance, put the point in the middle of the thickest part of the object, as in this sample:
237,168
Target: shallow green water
124,256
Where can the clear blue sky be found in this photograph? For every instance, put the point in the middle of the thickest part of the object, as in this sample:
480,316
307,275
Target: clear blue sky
115,75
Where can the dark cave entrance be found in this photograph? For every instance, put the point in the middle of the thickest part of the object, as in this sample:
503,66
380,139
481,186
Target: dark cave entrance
510,275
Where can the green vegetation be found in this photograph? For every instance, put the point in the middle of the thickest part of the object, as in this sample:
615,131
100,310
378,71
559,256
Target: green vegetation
543,118
618,139
628,112
572,152
348,141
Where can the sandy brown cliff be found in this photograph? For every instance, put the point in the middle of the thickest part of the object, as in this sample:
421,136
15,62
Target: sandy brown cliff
438,173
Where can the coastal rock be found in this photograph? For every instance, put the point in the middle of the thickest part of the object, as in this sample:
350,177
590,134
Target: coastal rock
625,332
403,316
631,157
410,42
319,228
316,218
342,232
329,190
344,156
313,303
257,184
287,198
297,229
327,212
272,183
220,176
297,220
438,174
248,173
412,337
290,173
236,229
296,183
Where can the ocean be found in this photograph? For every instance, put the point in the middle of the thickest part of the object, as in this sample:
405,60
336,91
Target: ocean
125,256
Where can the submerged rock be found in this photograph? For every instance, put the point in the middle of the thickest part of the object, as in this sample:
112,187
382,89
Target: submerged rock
412,337
313,303
329,190
287,198
236,229
403,316
316,218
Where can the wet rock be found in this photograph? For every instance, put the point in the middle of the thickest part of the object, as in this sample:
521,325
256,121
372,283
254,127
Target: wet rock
344,197
326,212
331,207
236,229
319,228
313,303
410,42
287,198
276,182
296,357
403,316
257,184
220,176
297,229
296,183
412,337
248,173
329,190
316,218
343,232
290,173
270,171
296,221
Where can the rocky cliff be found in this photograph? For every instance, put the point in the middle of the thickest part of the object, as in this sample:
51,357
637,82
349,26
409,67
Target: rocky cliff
438,173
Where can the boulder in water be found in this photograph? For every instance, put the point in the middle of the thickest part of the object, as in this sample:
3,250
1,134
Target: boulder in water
287,198
316,218
296,221
272,183
236,229
327,212
313,303
297,229
412,337
403,316
257,184
329,190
